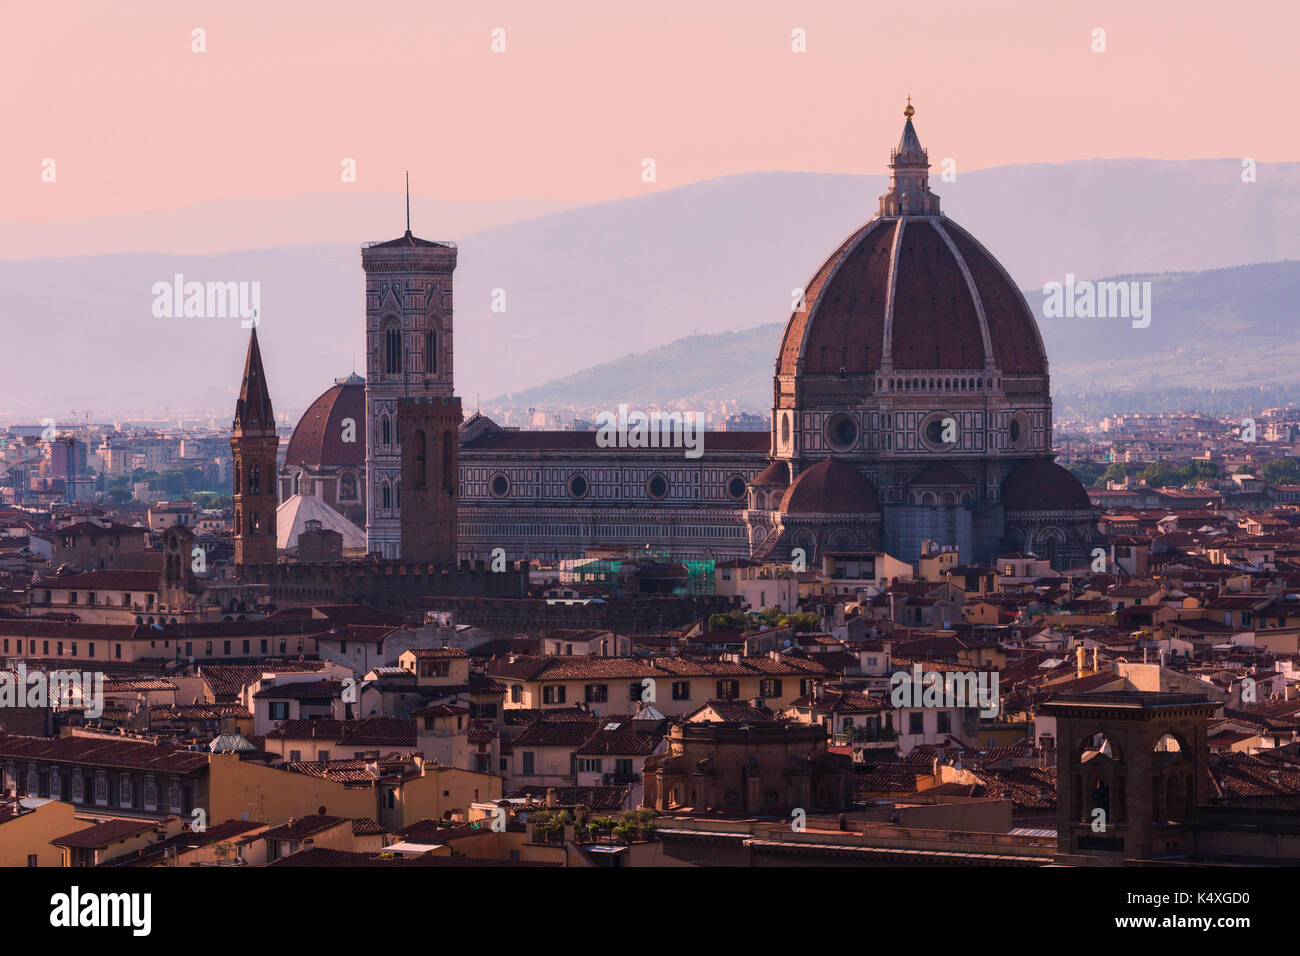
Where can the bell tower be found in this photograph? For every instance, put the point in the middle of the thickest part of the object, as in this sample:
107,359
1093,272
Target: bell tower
254,444
408,354
430,427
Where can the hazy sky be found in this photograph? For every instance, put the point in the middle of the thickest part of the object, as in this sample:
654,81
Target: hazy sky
134,119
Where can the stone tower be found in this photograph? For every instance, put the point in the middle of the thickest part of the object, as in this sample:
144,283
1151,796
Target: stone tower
1130,773
429,428
254,444
408,355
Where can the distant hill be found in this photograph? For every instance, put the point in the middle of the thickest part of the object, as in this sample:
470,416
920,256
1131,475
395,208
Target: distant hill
1223,330
588,285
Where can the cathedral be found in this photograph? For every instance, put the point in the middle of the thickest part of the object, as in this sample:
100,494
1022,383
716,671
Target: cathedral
911,403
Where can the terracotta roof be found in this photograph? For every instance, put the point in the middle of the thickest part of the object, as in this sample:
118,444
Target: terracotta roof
619,735
367,732
565,668
104,752
104,834
301,690
303,827
437,653
187,840
229,680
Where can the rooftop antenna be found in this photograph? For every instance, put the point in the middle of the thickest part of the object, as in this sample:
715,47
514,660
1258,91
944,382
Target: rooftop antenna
408,202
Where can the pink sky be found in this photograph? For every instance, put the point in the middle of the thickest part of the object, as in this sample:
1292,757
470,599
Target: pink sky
134,120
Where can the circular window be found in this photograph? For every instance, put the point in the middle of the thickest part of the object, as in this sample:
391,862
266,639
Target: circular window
499,485
841,431
578,486
657,487
939,432
1018,431
736,486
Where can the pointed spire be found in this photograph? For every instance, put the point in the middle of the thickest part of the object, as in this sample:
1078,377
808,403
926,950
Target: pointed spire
253,409
909,185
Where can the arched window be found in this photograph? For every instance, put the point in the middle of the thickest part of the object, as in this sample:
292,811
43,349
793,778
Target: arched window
397,496
239,467
393,350
386,495
254,480
386,430
431,352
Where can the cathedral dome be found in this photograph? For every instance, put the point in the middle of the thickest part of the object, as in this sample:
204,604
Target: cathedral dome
911,291
830,487
317,439
1040,485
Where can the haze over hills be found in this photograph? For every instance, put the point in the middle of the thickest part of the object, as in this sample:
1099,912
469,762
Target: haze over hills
588,285
1183,350
258,222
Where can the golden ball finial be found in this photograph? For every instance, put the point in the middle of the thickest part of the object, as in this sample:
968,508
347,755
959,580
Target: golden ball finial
909,111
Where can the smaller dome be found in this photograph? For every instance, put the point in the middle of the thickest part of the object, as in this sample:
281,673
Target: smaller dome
317,439
1042,485
830,487
775,475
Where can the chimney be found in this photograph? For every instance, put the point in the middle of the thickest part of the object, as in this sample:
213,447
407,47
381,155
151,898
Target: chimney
552,799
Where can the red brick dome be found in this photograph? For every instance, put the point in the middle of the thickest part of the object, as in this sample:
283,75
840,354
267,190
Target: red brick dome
912,291
1042,485
923,291
830,487
317,439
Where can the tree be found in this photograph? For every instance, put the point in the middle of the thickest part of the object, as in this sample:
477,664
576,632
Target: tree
1282,471
1116,472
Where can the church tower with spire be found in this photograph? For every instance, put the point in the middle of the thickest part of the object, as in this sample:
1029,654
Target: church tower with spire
408,358
254,444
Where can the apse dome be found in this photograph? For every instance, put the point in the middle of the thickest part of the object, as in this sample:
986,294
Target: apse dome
830,487
1040,485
